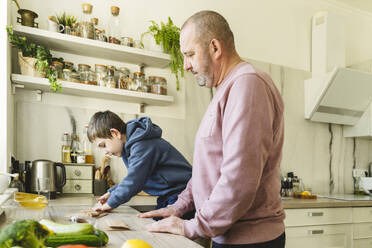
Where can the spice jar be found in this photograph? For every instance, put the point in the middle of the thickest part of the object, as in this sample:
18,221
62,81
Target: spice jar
68,65
140,82
126,41
92,79
75,77
114,32
83,70
59,67
110,79
101,73
86,26
66,74
75,30
159,86
123,78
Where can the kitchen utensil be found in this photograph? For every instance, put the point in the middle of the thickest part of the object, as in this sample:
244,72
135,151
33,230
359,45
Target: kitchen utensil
27,18
54,26
46,169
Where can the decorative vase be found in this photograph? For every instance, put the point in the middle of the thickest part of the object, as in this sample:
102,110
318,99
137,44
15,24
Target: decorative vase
27,66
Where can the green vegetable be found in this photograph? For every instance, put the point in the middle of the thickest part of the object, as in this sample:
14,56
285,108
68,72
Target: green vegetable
65,229
24,233
97,239
168,35
41,53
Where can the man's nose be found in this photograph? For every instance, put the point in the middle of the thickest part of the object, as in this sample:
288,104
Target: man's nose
186,65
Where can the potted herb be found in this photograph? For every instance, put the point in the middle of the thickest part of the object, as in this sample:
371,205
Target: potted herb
168,36
66,20
34,60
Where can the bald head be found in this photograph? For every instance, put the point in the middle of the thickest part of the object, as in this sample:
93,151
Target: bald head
211,25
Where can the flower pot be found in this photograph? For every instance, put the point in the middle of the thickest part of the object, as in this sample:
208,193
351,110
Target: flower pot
27,65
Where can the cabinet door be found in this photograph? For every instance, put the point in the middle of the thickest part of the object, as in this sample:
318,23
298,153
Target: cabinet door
326,236
317,216
362,243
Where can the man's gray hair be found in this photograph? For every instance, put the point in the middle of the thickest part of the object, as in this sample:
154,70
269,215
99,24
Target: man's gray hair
211,25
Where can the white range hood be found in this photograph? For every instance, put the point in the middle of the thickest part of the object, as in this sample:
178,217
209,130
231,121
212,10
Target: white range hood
336,94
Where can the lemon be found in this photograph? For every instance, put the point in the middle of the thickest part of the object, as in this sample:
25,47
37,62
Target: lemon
135,243
306,193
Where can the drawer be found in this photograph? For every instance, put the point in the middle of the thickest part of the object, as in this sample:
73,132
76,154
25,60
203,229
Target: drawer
362,214
317,216
362,230
78,186
79,172
318,236
362,243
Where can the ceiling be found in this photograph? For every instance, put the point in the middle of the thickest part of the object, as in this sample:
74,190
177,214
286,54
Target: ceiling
365,5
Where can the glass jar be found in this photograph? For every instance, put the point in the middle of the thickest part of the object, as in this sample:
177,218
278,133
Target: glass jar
126,41
75,29
139,79
101,73
59,67
124,74
75,77
66,74
159,86
84,70
92,79
68,65
110,79
138,44
114,29
86,26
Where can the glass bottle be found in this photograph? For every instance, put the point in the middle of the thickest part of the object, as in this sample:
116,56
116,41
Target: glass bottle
86,26
139,79
87,147
66,149
110,79
123,78
114,26
101,73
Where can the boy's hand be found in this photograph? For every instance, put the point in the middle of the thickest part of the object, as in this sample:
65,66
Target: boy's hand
103,199
162,212
171,224
104,207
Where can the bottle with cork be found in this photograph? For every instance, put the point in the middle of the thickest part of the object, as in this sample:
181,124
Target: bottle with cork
87,147
114,32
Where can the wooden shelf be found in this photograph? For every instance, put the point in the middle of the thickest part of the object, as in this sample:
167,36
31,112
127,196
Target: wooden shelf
77,89
93,48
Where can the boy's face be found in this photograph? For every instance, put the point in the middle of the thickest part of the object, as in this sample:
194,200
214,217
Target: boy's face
113,145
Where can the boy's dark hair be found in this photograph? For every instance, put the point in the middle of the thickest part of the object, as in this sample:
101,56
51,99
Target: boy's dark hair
101,123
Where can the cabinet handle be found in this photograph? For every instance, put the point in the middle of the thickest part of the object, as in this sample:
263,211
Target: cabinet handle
78,173
77,187
315,214
312,232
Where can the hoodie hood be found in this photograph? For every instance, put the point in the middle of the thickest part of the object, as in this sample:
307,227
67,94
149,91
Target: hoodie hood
141,129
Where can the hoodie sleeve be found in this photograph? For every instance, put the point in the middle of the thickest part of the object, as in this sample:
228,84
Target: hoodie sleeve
140,165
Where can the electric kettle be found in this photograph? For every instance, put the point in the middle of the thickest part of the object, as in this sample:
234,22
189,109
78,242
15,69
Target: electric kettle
45,169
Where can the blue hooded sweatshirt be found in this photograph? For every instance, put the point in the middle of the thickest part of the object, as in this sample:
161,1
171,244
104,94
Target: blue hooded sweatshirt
153,164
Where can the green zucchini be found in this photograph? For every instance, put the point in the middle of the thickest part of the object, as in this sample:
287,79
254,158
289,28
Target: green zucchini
97,239
65,229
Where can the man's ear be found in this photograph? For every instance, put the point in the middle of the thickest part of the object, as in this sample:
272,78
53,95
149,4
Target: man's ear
215,49
115,133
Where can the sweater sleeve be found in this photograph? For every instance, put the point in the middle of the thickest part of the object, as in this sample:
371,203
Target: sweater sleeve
247,137
140,165
185,201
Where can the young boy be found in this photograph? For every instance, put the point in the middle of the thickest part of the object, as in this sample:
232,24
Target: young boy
153,164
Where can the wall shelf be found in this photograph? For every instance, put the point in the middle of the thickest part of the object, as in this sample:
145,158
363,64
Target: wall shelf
77,89
87,47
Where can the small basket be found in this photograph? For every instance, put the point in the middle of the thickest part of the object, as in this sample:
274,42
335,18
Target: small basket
27,66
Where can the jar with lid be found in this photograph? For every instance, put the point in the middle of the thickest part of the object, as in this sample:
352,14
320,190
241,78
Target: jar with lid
124,78
101,74
75,77
67,74
59,67
114,28
159,86
75,29
126,41
86,26
139,79
110,79
92,79
83,70
68,65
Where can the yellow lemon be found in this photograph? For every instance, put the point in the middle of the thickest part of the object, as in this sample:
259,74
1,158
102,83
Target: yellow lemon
135,243
306,193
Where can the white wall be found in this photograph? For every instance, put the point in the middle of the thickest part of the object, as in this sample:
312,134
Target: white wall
277,33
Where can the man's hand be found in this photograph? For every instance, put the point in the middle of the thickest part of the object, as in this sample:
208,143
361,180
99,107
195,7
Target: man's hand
162,212
171,224
103,199
104,207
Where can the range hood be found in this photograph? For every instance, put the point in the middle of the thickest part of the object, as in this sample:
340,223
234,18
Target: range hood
336,94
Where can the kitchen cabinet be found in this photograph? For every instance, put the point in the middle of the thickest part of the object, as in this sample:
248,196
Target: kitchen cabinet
362,227
79,178
319,227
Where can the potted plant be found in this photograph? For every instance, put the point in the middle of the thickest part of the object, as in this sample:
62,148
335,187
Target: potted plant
66,20
168,36
34,60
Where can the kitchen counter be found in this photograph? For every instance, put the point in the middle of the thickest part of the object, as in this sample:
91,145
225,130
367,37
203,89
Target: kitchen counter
325,202
60,209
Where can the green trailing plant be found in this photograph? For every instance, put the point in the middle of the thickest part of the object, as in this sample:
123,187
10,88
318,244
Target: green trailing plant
66,19
42,54
168,36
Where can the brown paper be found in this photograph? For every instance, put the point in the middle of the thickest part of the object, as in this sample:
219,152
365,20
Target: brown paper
112,223
92,213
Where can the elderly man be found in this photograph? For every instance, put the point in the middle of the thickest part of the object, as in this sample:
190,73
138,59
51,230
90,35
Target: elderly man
235,180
